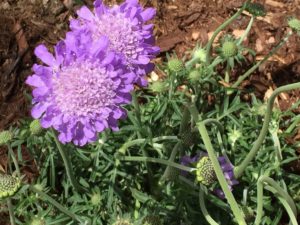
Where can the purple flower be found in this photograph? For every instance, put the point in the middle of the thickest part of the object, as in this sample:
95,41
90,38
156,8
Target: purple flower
126,28
80,91
205,172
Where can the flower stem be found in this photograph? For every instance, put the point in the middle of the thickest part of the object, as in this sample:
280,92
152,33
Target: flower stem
241,168
219,29
246,31
67,164
139,134
15,161
205,213
11,212
285,199
55,203
253,68
220,176
128,144
155,160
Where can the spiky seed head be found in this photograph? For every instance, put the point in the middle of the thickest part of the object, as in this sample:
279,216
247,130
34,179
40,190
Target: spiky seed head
229,49
294,23
170,174
122,222
194,76
158,87
175,65
256,9
96,199
37,221
151,220
35,127
9,185
200,54
205,171
5,137
189,137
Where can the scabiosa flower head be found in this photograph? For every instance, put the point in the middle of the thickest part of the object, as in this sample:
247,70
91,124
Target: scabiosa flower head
126,28
80,91
205,173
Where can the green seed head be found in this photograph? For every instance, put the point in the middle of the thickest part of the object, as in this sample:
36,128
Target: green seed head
122,222
158,87
229,49
189,137
256,9
37,221
205,171
294,24
200,54
35,127
5,137
9,185
151,220
171,174
175,65
194,76
96,199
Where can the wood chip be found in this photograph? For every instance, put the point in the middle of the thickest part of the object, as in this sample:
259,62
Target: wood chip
275,3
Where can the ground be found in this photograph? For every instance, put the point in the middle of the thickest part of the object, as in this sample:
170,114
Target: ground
180,24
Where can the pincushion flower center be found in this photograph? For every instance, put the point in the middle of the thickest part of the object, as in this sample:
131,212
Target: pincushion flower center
121,33
82,88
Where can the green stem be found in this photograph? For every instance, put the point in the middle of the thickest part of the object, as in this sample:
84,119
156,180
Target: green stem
12,155
11,212
67,164
253,68
285,199
241,39
172,157
142,140
219,29
293,219
241,168
139,134
155,160
55,203
216,122
220,176
227,73
205,213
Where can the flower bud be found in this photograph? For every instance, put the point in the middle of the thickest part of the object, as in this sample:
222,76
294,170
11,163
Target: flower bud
205,171
294,23
158,87
175,65
5,137
35,127
194,76
37,221
229,49
96,199
122,222
256,9
152,220
9,185
200,54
